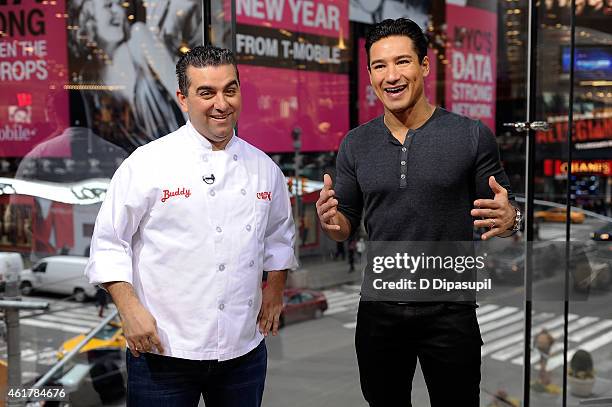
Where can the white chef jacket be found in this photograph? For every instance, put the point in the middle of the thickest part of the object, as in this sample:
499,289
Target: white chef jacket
195,252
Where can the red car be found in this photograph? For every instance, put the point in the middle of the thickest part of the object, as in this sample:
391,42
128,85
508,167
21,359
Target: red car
302,304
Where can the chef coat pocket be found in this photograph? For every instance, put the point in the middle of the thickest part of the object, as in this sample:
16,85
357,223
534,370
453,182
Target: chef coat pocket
262,211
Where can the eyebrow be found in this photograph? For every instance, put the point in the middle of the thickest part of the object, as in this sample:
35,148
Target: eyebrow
210,87
376,61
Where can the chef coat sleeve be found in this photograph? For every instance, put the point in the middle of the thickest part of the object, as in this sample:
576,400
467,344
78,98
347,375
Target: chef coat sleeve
110,257
280,230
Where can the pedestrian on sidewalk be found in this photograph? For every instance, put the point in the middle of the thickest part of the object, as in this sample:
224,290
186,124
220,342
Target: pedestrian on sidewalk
352,246
101,301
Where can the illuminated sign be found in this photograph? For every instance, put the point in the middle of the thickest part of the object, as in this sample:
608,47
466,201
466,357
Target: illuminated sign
79,193
586,129
558,167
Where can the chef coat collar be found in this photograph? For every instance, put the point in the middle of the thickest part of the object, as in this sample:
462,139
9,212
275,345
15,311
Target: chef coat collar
203,142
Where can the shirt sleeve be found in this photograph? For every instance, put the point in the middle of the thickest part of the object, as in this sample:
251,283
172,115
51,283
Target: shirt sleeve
279,238
347,189
110,256
488,163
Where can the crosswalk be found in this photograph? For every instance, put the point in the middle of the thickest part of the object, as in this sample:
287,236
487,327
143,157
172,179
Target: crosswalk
67,317
502,329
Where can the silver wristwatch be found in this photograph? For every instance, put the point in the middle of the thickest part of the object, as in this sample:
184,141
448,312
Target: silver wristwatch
518,219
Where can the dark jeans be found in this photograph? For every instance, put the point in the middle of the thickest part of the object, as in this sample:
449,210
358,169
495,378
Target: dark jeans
162,381
444,337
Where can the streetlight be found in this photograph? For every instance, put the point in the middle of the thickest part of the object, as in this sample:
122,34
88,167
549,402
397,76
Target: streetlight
296,134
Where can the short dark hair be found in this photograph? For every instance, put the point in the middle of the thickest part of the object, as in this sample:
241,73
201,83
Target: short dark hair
200,57
400,27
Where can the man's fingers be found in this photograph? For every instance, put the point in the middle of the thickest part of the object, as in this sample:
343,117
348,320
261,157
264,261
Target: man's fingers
275,324
327,181
495,187
487,203
491,233
487,223
330,204
157,343
132,347
484,213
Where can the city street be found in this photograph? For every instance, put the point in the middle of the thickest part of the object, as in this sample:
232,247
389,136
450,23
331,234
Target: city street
313,363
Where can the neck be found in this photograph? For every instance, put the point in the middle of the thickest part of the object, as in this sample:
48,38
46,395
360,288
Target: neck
220,145
411,118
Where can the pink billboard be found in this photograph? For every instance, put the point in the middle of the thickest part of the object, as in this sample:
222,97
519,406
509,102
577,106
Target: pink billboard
369,104
33,72
471,71
275,101
293,58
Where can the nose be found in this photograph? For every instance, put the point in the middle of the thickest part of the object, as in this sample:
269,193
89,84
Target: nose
392,75
220,103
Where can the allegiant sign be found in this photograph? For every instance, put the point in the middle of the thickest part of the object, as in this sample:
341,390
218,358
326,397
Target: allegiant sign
594,129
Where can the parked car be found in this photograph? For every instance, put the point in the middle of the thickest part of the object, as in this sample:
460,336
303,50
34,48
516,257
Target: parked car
559,215
301,304
10,263
508,265
60,275
603,234
95,376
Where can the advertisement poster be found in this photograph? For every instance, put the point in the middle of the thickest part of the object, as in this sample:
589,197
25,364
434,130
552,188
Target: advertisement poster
293,59
471,73
122,66
33,72
369,104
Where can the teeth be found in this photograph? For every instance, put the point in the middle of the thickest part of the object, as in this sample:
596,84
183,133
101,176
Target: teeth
393,90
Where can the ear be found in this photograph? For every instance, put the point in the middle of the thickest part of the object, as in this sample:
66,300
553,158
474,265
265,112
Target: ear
425,65
182,101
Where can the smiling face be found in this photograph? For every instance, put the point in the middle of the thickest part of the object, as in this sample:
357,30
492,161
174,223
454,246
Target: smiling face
213,102
396,75
111,21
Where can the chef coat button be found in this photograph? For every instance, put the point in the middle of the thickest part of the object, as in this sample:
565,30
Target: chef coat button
250,303
205,159
221,306
221,267
251,263
212,192
248,228
243,191
403,176
235,157
219,230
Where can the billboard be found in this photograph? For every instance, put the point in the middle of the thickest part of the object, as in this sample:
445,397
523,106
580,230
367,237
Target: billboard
33,72
471,70
293,59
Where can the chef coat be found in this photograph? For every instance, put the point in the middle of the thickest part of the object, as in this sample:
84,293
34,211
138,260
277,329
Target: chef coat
192,230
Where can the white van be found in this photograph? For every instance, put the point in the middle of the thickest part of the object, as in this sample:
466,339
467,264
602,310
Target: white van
11,265
58,274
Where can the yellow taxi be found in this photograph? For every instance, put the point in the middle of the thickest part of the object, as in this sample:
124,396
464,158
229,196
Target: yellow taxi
109,338
558,215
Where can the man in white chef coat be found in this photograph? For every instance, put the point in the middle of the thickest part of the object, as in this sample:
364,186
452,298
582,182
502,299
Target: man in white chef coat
189,224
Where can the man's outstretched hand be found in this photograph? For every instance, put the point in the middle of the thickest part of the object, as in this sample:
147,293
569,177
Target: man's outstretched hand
497,214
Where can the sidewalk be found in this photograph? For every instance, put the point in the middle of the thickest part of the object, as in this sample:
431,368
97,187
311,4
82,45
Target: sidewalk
326,273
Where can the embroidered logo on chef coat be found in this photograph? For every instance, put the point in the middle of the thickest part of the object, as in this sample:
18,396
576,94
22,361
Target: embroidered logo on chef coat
179,191
265,196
